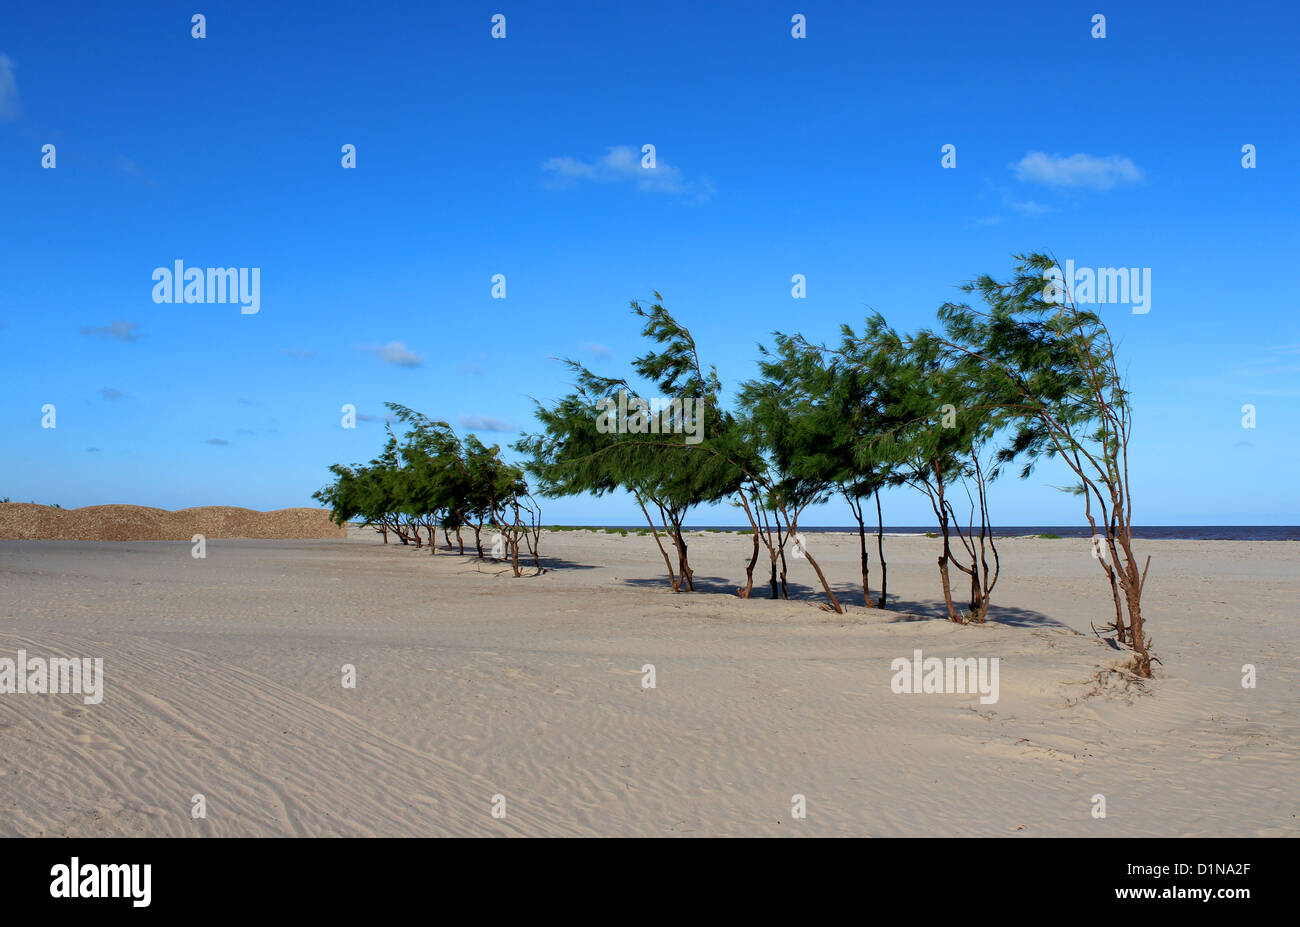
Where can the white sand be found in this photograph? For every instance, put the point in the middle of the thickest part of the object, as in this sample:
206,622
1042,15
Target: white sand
223,678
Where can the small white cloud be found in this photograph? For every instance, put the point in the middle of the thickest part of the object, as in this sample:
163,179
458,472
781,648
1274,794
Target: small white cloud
1077,170
622,164
484,423
8,89
395,352
117,331
1029,207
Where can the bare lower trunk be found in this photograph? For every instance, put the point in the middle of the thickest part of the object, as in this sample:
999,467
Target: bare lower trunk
749,569
684,573
672,577
866,569
880,551
946,556
856,506
826,587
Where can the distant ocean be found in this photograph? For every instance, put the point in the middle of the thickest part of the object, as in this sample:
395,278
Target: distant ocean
1172,532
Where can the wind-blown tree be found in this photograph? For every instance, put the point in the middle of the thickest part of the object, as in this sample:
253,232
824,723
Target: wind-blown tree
791,432
476,498
845,400
343,497
937,427
433,480
576,452
1051,366
367,492
502,491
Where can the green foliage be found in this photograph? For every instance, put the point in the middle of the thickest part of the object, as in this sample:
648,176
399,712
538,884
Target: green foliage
432,479
573,454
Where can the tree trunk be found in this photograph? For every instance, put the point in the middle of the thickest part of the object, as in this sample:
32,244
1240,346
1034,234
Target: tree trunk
685,575
672,577
880,551
947,552
835,603
749,569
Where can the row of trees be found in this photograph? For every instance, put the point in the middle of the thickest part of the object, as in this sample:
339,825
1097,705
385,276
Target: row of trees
1029,376
432,480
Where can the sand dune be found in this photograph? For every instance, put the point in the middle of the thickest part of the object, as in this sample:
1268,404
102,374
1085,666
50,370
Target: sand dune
222,678
25,521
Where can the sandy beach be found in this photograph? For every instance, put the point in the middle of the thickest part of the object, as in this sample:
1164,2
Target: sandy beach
222,677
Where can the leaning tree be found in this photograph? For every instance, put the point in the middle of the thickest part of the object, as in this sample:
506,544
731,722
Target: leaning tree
1051,368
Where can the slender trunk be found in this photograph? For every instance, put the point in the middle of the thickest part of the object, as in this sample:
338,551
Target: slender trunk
684,574
826,587
880,551
780,549
672,577
947,550
749,570
855,505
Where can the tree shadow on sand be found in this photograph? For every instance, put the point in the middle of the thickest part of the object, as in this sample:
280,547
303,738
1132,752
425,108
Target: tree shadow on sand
896,609
706,584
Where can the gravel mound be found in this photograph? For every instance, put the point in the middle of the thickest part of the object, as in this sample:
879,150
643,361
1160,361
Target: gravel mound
24,521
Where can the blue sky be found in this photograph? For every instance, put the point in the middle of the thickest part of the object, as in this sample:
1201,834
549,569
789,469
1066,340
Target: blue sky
479,156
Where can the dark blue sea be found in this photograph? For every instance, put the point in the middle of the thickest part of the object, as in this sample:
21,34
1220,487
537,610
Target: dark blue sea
1177,532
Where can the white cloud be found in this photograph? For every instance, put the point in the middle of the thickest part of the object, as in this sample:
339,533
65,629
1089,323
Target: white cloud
1077,170
117,331
484,423
8,89
622,164
1029,207
598,350
395,352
